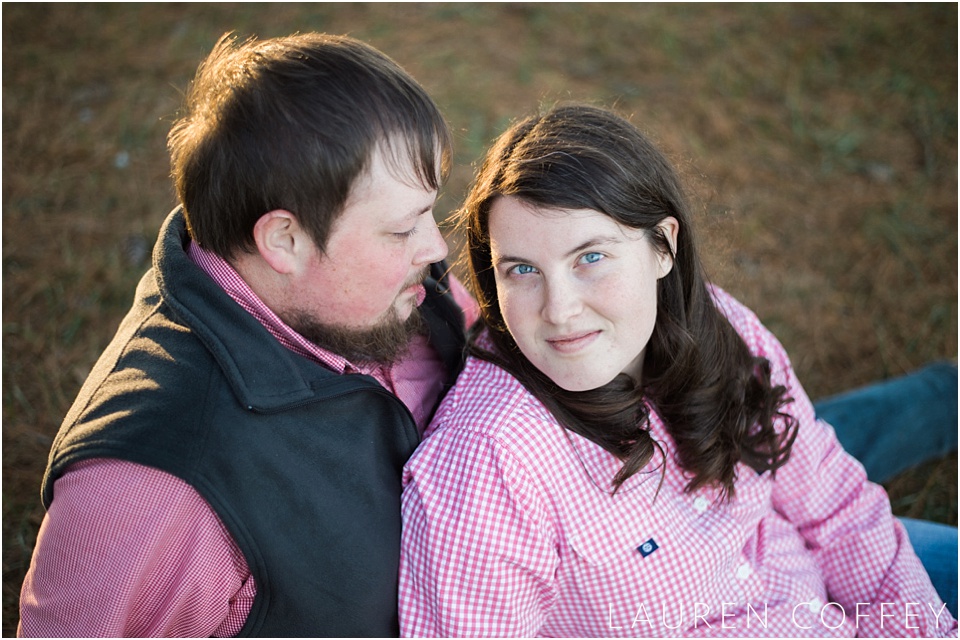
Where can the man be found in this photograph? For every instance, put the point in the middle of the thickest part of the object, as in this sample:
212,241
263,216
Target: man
232,464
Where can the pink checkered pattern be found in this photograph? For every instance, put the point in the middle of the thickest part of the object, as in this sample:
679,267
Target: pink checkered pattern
511,529
126,550
130,551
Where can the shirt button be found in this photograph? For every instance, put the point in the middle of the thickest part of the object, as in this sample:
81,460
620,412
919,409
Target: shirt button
815,605
700,504
744,571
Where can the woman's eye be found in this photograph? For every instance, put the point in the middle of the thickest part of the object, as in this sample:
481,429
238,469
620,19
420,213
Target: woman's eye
590,258
523,269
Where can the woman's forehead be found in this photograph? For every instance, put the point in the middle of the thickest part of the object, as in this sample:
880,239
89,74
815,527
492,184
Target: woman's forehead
518,228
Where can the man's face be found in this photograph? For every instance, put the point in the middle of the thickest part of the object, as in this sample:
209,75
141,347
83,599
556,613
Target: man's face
359,297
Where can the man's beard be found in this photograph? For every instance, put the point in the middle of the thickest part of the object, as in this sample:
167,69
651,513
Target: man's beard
384,343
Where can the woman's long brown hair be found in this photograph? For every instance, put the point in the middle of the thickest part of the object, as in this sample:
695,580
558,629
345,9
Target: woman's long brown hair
715,398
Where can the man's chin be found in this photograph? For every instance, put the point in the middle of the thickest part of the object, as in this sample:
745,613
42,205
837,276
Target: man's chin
384,343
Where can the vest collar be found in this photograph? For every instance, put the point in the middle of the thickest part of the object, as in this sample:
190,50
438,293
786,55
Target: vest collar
264,375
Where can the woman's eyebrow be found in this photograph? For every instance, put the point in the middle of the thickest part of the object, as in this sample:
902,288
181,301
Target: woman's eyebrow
498,259
592,242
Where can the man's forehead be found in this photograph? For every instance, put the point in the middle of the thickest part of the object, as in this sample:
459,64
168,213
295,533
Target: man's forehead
390,163
405,161
388,191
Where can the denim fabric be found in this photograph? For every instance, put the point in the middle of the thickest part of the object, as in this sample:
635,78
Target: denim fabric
898,424
936,546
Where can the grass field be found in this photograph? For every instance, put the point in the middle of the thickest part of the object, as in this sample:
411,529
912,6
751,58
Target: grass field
819,142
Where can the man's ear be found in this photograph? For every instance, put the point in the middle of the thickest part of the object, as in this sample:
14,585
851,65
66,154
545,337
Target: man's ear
669,228
279,238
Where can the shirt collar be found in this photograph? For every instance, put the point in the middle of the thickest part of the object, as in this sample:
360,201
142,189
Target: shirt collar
237,288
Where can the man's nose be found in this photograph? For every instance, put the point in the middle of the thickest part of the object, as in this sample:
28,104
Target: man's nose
434,248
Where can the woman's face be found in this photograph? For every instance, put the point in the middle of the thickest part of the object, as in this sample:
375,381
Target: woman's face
577,290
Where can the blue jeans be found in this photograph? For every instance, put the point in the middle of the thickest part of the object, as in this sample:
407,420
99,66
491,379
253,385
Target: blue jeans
936,546
897,424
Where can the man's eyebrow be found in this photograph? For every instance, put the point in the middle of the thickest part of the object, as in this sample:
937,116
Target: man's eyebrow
417,212
592,242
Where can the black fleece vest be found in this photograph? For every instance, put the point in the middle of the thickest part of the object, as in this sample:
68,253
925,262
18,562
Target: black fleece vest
303,466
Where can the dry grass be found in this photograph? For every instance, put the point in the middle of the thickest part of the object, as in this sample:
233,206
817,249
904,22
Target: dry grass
821,141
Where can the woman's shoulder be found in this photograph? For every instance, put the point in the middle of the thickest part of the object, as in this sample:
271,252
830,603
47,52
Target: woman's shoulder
488,400
758,338
488,420
737,313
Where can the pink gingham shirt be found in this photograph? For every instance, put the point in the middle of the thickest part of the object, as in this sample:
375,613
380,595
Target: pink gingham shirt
128,550
510,529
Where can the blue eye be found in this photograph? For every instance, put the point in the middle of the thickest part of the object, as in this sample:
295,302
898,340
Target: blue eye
523,269
590,258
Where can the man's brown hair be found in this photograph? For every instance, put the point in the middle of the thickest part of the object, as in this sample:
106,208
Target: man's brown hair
290,123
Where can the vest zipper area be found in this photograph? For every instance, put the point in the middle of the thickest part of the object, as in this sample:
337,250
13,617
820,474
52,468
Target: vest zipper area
370,385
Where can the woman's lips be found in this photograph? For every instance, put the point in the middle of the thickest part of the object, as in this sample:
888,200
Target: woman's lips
573,342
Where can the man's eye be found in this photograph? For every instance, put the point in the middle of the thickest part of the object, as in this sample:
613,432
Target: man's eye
405,234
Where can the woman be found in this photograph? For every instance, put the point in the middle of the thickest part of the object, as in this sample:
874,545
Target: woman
628,450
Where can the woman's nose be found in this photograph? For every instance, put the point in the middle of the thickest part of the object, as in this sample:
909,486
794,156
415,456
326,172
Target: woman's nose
562,301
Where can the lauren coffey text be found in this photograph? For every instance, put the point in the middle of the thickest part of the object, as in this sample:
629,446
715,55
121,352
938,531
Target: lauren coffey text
803,615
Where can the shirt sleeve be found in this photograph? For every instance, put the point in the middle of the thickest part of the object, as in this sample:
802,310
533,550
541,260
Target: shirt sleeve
478,556
128,550
868,564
